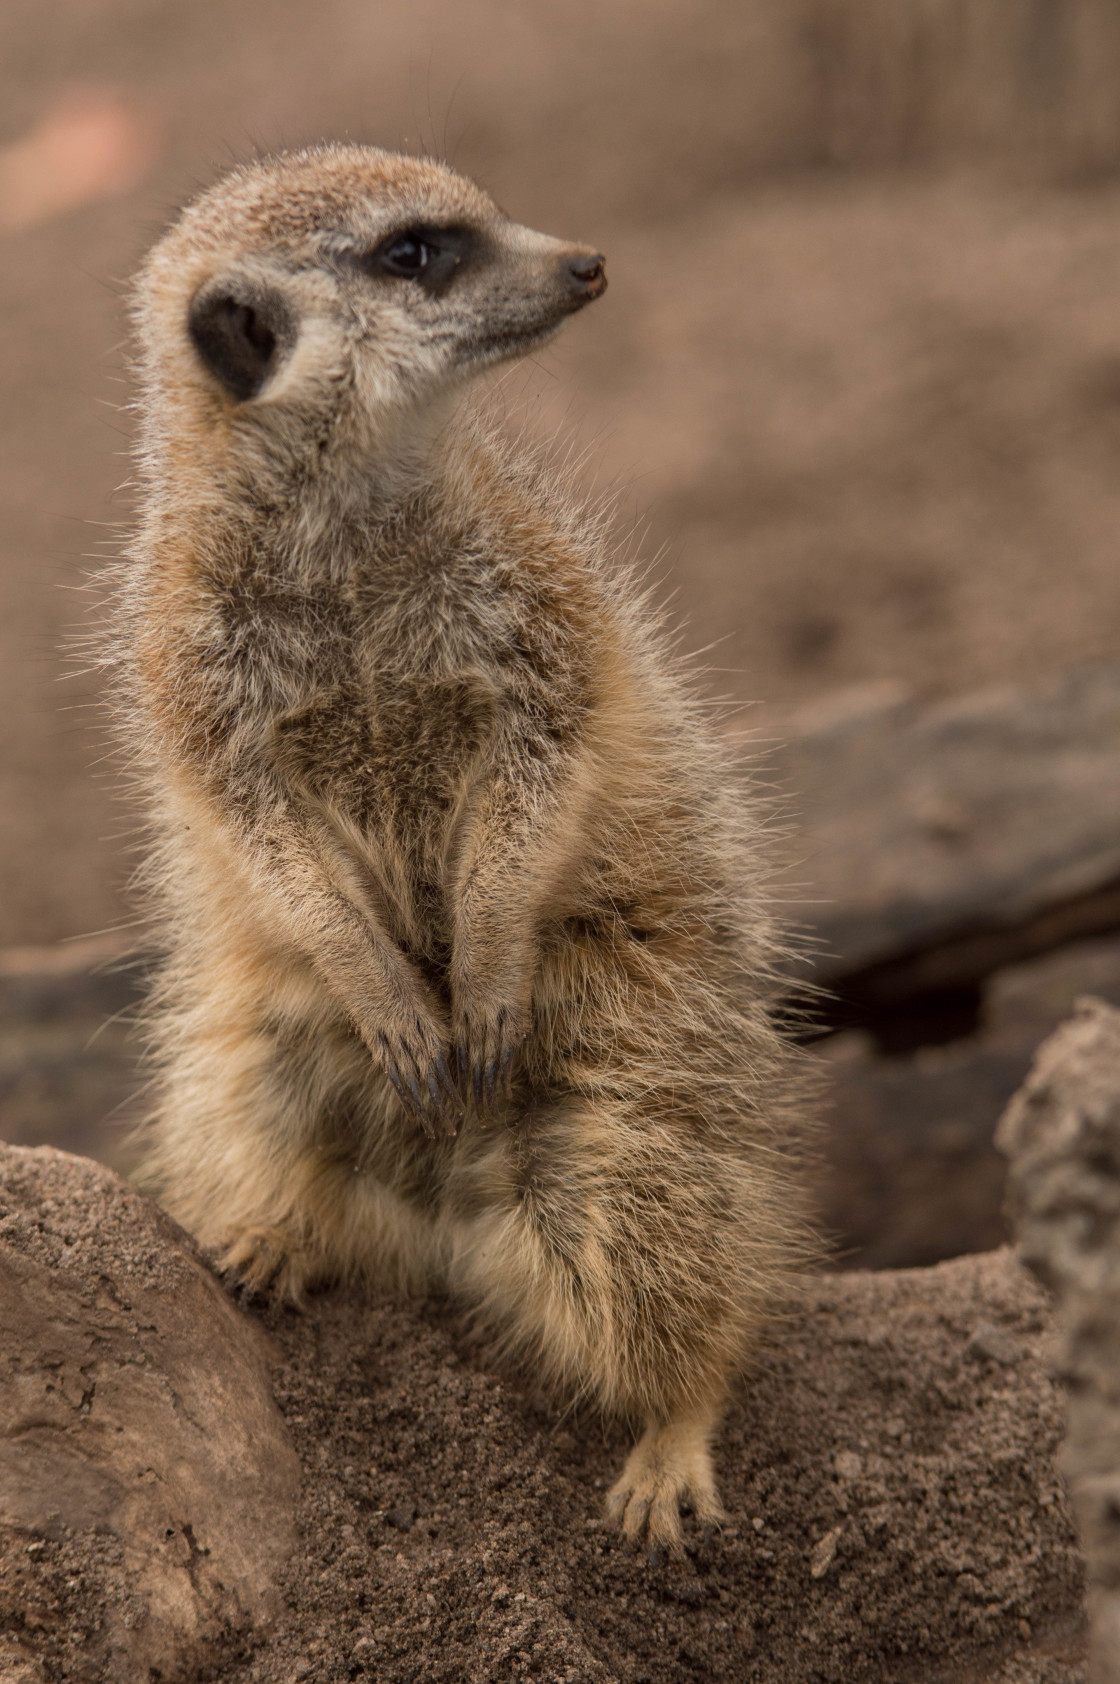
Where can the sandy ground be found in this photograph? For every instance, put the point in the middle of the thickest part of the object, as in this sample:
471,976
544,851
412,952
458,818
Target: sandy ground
894,1512
867,423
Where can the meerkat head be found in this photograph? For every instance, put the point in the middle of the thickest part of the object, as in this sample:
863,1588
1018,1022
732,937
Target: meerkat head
326,301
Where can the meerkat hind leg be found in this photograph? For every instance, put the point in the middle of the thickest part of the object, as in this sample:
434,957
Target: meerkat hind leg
669,1469
586,1238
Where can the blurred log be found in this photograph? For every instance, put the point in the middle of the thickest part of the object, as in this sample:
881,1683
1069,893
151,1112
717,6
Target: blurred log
910,1172
939,843
948,846
68,1064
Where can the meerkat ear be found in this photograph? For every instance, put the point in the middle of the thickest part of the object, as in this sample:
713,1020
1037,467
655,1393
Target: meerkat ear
242,331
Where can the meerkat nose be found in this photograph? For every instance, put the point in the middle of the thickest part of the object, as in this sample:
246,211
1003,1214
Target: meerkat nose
586,273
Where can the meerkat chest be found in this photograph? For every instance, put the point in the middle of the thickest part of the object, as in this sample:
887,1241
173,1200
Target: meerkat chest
392,752
378,704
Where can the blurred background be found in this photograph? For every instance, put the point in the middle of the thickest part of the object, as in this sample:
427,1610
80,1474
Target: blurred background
857,381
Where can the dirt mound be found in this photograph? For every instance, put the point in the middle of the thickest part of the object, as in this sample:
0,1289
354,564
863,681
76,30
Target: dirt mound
888,1470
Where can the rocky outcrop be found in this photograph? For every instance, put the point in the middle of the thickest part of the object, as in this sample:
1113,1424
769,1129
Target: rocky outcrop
147,1482
1062,1134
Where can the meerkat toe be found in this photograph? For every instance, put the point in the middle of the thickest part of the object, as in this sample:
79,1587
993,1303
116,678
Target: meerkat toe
646,1518
667,1474
446,1106
262,1262
422,1080
487,1042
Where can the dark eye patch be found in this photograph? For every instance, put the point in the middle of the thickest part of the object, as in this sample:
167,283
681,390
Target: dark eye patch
241,334
423,253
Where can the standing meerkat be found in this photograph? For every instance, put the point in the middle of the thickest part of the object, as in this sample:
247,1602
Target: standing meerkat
467,957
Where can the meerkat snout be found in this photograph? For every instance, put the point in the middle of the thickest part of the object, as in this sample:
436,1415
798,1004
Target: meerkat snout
587,275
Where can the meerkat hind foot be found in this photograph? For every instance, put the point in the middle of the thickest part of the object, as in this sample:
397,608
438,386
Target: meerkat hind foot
669,1470
264,1262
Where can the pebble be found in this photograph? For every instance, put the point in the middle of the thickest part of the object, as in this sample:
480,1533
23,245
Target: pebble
995,1343
824,1553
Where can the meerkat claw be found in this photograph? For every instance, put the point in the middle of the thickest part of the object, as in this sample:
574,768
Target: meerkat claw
490,1083
437,1103
407,1089
446,1098
394,1076
444,1077
446,1101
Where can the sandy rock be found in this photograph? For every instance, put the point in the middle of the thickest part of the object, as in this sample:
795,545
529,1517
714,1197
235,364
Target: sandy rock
147,1482
1062,1134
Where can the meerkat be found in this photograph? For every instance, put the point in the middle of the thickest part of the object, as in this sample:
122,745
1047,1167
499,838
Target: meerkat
468,952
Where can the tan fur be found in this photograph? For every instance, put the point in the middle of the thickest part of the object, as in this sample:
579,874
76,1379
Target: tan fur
425,783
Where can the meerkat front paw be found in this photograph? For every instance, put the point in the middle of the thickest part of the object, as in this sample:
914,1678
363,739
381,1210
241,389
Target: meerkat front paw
487,1039
424,1085
669,1471
413,1054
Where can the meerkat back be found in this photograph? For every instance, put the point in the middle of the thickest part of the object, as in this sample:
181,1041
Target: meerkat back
467,958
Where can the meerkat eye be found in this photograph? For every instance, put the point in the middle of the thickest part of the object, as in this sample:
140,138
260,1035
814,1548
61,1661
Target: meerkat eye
408,256
431,256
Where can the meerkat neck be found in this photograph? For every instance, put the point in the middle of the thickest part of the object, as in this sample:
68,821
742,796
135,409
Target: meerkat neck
316,524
